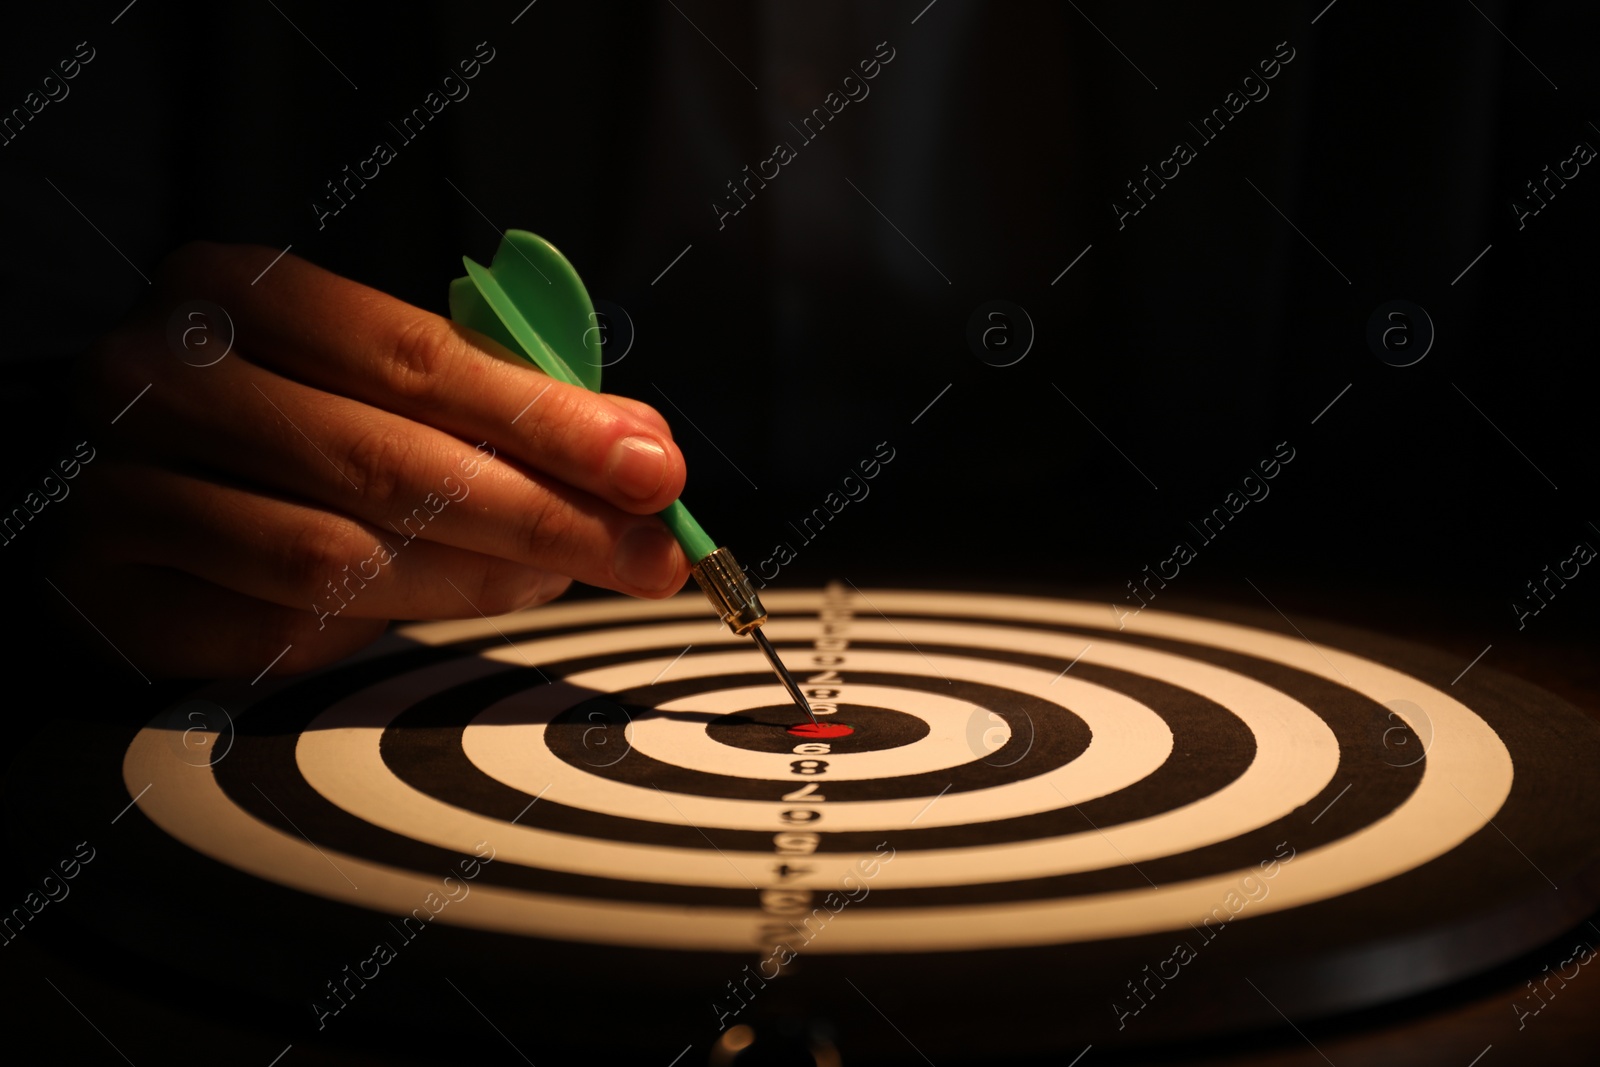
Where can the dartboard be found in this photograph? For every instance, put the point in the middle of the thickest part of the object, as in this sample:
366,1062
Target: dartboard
1109,824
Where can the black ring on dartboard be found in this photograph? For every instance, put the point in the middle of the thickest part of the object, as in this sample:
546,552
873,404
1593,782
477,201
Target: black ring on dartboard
264,752
352,834
656,831
1199,766
1021,756
423,747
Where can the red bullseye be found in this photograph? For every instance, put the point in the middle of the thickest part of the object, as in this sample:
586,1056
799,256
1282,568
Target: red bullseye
822,729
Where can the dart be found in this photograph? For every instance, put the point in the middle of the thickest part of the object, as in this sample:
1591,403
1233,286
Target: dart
529,281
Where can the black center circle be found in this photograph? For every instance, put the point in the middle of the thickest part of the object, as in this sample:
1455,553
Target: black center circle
767,729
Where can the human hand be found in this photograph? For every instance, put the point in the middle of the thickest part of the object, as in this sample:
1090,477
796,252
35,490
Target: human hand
351,460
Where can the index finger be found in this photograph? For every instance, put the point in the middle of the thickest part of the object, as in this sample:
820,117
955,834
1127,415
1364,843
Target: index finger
347,338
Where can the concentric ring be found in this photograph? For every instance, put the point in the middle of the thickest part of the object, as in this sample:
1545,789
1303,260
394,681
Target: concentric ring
1168,758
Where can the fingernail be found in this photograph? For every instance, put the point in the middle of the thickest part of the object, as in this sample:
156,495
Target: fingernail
646,558
637,467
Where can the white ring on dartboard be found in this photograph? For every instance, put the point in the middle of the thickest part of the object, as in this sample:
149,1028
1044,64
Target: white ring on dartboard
1287,772
1465,781
677,736
338,755
1296,754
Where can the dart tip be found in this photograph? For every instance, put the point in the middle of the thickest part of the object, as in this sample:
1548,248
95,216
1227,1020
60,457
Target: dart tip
783,673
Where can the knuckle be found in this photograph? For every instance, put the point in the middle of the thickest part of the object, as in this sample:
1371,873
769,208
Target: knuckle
377,461
569,415
420,357
545,533
318,551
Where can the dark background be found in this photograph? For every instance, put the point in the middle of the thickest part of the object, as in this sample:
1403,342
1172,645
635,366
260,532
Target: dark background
1175,354
807,330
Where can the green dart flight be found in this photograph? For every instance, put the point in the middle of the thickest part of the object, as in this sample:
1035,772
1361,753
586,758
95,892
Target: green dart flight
531,300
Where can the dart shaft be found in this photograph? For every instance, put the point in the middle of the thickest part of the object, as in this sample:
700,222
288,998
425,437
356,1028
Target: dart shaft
783,673
728,588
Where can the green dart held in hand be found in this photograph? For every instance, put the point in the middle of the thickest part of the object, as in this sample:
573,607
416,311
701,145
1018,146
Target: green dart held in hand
531,300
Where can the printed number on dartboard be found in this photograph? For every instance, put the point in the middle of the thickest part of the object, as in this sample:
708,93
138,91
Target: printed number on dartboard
823,701
806,794
795,844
